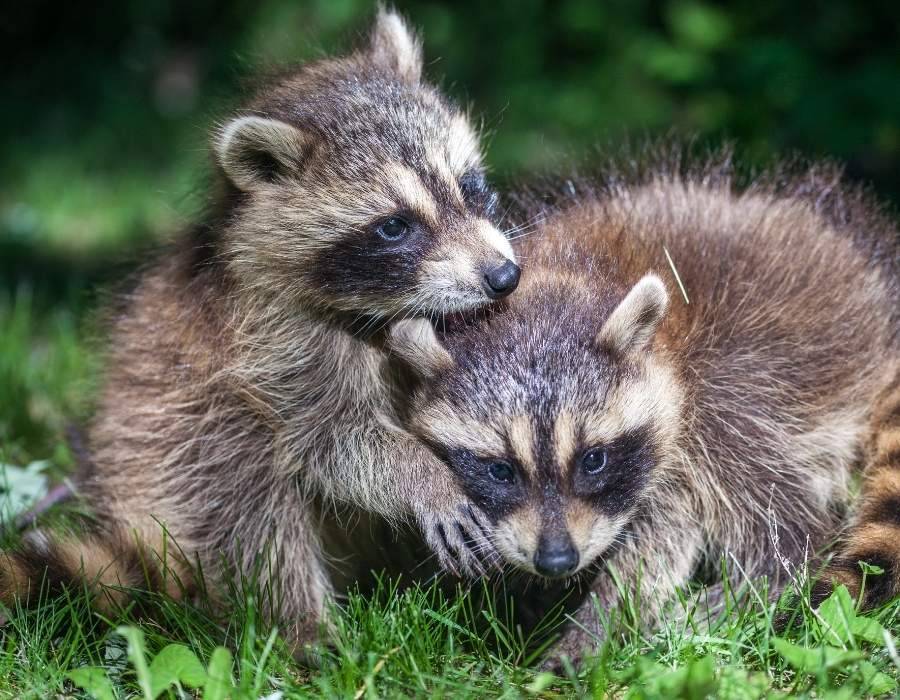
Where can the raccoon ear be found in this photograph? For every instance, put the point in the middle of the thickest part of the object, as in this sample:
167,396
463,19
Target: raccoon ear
633,322
416,342
256,151
395,47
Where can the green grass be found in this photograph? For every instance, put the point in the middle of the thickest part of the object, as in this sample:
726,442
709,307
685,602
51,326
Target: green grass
416,642
397,642
46,378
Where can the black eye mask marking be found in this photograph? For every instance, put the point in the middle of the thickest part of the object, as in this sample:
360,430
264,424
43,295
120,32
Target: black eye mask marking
379,262
496,485
613,485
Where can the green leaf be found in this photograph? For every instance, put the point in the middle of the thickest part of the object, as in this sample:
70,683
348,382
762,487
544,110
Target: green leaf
874,681
813,661
871,569
836,616
218,676
20,487
838,621
869,630
92,680
176,663
136,648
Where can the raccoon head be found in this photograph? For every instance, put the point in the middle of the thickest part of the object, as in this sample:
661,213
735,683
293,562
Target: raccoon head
555,416
358,188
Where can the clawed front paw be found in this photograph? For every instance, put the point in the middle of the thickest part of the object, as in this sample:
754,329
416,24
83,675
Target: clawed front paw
461,540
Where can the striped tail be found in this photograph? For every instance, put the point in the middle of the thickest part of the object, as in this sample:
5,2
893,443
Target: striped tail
103,562
875,535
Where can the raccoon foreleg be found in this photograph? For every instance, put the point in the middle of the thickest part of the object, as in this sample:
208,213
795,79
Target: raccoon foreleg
272,547
392,474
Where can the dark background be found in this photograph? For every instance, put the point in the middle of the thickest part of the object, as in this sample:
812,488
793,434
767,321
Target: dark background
106,107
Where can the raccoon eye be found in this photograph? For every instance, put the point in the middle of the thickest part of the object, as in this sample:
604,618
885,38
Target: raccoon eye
393,229
502,471
593,460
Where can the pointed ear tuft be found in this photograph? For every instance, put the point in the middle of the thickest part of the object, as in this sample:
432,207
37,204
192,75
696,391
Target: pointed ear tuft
395,47
255,151
632,324
416,342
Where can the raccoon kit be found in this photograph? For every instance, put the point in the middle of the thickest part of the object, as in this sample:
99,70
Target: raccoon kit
615,416
246,393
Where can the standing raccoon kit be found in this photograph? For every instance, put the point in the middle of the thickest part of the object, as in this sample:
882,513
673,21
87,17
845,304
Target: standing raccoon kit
247,410
278,376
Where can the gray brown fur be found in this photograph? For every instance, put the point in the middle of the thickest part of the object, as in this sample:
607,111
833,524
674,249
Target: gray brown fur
246,401
746,413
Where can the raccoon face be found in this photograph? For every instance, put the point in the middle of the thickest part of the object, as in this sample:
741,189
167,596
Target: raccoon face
361,190
556,434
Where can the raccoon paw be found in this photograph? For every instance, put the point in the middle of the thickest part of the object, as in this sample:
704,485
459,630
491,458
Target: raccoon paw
460,540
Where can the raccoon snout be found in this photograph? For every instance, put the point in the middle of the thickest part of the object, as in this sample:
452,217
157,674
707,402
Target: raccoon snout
556,558
500,281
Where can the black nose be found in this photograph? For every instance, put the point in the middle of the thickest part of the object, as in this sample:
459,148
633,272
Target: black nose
555,562
501,280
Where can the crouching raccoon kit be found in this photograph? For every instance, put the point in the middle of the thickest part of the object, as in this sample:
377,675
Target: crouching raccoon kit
689,371
687,367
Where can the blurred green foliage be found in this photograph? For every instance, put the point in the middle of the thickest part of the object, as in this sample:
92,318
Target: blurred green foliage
106,106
